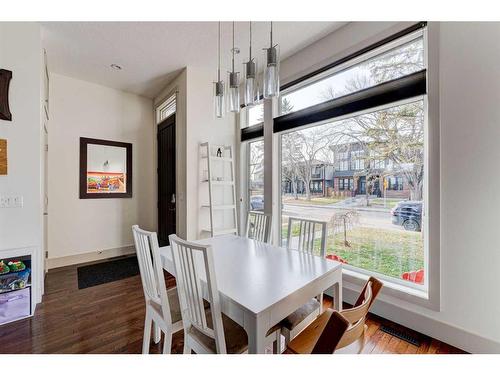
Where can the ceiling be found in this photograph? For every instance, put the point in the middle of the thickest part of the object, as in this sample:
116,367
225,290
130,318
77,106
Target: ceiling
152,53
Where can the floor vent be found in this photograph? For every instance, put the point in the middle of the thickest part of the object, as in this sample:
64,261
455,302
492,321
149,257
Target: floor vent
400,334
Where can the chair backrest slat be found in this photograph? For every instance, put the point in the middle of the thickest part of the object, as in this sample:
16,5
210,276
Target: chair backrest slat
357,316
259,226
151,270
196,280
353,315
308,229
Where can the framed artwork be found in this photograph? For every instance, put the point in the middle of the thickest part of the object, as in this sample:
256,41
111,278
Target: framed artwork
3,157
105,169
5,77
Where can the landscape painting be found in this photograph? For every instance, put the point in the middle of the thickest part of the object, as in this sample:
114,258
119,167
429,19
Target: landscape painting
106,182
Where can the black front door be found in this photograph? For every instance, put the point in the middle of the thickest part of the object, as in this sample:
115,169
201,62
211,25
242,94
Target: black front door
166,180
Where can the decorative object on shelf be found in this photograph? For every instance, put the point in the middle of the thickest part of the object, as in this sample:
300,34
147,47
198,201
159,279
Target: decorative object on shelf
219,152
4,268
234,82
3,157
219,99
251,95
105,169
271,72
16,265
5,77
14,280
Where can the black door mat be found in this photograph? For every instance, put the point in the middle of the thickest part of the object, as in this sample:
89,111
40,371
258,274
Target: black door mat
106,272
400,334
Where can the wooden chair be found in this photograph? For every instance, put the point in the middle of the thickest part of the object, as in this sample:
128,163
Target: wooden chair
259,226
205,330
307,236
341,332
162,305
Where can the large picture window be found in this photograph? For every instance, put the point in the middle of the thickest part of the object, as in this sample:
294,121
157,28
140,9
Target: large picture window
374,214
352,152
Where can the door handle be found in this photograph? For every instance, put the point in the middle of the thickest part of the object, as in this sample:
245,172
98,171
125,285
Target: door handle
172,200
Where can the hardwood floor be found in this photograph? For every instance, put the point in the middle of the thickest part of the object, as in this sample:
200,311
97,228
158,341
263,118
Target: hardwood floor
109,318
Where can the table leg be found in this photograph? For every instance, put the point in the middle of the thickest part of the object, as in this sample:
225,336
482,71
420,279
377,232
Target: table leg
256,335
337,295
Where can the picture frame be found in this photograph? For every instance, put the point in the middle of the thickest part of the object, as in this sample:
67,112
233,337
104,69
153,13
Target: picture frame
5,77
105,169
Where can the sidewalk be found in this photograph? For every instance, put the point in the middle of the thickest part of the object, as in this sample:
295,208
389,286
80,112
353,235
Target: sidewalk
338,206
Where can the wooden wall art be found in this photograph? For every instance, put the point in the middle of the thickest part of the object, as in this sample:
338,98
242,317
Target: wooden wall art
3,157
5,77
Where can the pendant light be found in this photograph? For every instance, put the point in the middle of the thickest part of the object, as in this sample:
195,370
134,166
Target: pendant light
234,83
271,72
219,100
251,95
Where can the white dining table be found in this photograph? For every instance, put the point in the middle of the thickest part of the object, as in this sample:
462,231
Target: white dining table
260,284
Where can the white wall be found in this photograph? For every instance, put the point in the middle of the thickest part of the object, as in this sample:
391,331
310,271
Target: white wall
79,228
195,123
203,126
469,93
21,52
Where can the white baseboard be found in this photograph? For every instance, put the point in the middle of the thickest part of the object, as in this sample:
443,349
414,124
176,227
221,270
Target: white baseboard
89,257
452,335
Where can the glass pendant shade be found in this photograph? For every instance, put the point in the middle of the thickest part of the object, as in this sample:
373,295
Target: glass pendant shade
219,99
271,73
251,94
234,92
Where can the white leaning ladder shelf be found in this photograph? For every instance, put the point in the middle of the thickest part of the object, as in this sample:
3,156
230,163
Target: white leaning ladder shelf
220,177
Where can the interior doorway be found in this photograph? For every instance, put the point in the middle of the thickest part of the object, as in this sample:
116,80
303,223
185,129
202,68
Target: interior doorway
166,180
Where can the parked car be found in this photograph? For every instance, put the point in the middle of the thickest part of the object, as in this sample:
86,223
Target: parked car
408,214
257,203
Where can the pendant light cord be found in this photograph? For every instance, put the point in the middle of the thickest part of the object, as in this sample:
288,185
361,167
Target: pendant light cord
271,34
250,59
233,49
218,55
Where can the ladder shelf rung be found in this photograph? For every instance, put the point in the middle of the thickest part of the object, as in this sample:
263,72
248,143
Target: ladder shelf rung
220,207
221,231
212,158
221,182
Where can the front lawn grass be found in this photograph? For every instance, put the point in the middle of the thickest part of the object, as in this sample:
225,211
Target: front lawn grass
389,252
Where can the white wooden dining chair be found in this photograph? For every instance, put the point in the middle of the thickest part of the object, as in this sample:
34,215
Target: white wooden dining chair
259,226
206,330
162,305
309,233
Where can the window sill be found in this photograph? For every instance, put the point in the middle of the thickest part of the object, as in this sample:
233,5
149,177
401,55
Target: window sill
391,293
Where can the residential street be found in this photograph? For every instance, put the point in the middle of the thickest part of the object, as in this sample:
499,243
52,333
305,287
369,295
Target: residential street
368,218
